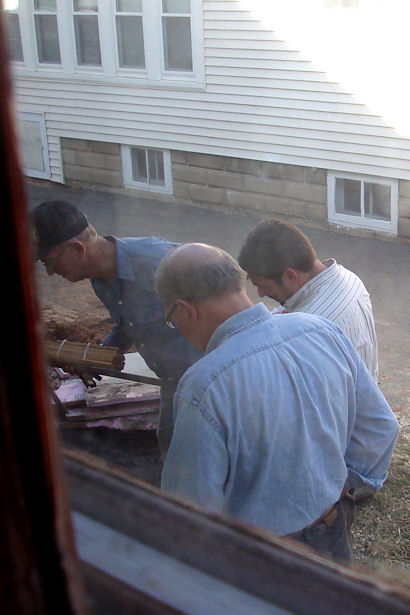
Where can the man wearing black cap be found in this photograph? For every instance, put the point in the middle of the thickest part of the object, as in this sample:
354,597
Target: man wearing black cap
122,274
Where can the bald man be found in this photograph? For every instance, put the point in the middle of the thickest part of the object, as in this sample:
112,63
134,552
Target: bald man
279,418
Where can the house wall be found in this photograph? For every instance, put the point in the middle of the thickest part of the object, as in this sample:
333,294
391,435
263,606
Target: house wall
92,163
222,183
235,184
266,105
263,99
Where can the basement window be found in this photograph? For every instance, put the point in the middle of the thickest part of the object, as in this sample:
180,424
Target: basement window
146,168
363,202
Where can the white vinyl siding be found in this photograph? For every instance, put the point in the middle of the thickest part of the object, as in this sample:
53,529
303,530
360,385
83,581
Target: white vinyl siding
264,99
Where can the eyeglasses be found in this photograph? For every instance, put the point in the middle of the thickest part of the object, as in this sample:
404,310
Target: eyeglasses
49,261
170,323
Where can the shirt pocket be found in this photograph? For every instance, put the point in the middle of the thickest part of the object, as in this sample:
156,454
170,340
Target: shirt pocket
139,308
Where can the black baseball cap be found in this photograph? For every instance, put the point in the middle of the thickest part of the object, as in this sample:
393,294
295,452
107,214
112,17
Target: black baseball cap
53,223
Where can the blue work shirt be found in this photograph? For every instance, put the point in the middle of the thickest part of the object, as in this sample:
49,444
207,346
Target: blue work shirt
274,419
136,309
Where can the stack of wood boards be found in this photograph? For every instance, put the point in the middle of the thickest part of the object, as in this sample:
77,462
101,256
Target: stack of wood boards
63,352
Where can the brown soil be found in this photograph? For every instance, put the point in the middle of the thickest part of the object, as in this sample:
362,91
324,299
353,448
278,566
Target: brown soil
75,326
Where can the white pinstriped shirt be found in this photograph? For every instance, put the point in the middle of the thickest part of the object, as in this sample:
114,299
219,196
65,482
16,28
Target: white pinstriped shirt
339,295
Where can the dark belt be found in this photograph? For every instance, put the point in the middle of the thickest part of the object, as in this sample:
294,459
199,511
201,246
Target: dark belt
330,514
327,518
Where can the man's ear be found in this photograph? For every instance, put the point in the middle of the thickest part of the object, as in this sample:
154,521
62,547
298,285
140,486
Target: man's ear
290,275
190,308
291,280
79,247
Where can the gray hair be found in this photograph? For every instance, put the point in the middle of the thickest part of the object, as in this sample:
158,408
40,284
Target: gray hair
87,235
195,272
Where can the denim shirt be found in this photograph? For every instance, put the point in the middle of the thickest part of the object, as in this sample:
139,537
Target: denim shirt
274,419
136,309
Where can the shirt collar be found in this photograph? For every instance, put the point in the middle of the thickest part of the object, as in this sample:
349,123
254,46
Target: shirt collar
241,320
310,287
125,270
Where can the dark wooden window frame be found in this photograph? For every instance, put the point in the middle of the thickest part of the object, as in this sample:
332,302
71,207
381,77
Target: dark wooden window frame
41,572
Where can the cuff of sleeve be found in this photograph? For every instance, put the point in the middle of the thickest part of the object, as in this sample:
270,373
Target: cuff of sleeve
355,481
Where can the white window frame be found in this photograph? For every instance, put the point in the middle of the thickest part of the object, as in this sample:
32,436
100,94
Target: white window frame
346,220
130,182
122,69
154,73
41,12
76,13
161,21
16,11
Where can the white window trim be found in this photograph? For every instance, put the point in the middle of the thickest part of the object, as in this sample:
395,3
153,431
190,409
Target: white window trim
347,220
35,117
153,75
41,12
129,182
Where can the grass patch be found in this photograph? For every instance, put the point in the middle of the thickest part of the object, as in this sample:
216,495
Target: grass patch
381,530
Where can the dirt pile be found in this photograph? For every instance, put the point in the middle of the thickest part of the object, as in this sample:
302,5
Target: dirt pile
61,323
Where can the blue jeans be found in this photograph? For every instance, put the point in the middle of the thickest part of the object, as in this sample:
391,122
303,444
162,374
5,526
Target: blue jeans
331,540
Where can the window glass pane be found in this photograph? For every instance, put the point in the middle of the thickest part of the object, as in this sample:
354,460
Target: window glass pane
176,6
348,196
139,165
130,42
12,26
156,167
377,200
86,5
131,6
48,46
177,43
45,5
87,39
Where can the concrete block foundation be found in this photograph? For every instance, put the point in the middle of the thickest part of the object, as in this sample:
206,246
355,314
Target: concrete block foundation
221,183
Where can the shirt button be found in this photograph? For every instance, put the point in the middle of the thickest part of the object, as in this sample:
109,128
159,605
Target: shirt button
119,302
131,324
142,345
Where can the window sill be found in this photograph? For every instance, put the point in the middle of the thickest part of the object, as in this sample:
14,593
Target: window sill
118,80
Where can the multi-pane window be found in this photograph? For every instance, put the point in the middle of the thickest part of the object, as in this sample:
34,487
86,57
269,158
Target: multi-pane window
12,26
146,168
45,22
87,37
366,202
130,34
151,40
176,35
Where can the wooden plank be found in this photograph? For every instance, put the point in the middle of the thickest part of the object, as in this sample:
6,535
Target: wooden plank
277,571
160,576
